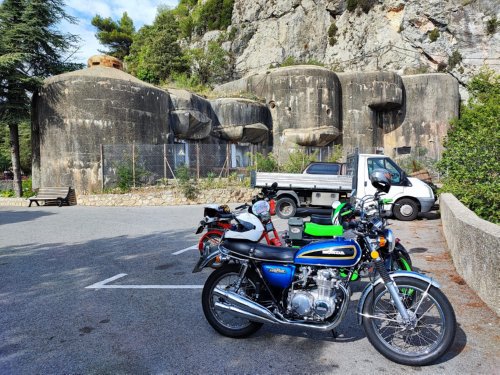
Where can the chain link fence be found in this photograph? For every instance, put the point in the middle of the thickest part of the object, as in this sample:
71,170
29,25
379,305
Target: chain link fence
136,165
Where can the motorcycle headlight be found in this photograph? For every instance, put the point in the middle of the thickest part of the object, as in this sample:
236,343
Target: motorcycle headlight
391,240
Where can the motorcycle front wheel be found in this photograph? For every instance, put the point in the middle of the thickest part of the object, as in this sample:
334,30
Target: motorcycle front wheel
224,322
401,259
427,336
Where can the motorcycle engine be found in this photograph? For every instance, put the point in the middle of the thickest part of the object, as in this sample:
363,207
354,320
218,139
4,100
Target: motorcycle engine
317,303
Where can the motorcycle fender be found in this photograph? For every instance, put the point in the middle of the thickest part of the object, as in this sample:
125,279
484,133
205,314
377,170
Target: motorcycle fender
394,276
204,260
200,229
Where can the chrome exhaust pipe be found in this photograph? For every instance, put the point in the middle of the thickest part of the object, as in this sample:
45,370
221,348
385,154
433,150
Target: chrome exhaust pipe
246,308
241,313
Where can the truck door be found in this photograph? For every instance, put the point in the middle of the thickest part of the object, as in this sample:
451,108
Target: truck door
398,179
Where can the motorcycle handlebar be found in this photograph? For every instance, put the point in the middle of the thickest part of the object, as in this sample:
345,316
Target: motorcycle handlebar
242,206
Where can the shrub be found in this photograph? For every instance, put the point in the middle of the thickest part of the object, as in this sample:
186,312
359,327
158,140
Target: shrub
264,163
366,5
352,5
298,160
454,59
188,188
332,32
491,25
434,35
336,154
471,161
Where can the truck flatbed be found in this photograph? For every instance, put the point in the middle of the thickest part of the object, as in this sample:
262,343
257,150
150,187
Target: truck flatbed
303,181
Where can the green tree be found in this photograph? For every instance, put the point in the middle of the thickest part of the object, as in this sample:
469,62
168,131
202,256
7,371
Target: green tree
117,36
155,53
471,161
210,65
212,15
31,49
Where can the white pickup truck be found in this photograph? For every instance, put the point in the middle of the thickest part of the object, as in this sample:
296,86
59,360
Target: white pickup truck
409,195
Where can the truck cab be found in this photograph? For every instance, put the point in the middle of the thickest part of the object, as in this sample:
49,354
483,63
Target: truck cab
409,195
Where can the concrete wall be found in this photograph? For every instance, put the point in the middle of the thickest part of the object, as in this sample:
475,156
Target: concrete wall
364,97
76,112
475,248
430,102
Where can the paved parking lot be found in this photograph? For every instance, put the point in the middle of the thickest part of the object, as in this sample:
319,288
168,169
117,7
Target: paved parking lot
142,313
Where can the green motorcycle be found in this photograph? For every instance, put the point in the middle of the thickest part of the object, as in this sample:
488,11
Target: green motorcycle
343,221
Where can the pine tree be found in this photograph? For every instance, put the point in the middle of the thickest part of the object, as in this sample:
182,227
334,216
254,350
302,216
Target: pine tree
117,36
30,50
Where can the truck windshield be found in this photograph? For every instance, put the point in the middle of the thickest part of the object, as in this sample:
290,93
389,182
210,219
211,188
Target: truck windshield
388,164
323,169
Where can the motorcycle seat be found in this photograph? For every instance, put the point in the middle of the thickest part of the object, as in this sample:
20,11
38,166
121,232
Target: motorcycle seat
321,219
258,251
318,230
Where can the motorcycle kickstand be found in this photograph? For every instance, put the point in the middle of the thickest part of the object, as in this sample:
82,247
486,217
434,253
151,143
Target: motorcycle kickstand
334,334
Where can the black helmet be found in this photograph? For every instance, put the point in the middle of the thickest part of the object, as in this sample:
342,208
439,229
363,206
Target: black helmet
381,179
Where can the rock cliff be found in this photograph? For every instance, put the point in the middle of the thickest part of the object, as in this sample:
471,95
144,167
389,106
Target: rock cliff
408,37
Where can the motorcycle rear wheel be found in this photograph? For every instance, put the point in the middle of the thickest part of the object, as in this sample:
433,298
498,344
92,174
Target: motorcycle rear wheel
432,334
223,322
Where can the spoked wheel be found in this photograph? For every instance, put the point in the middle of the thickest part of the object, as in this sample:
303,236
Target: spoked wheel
422,340
211,238
222,321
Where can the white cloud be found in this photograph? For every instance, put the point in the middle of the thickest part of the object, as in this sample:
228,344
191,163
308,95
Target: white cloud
141,12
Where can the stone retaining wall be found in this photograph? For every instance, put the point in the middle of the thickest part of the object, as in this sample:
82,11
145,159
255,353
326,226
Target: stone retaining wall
475,245
14,202
169,197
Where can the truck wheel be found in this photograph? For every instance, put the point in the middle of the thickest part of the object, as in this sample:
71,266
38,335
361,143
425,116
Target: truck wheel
286,207
405,209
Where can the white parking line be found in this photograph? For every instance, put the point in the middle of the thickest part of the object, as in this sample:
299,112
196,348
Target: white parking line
186,249
103,285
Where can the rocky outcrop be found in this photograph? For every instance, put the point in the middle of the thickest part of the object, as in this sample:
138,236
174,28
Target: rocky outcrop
396,35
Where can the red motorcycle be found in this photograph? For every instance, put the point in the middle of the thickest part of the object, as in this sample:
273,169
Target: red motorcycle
219,218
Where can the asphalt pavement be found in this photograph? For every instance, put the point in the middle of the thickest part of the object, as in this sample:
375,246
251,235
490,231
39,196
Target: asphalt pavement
109,290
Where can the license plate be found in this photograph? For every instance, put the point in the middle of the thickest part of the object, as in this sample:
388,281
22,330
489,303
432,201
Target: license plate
200,229
269,227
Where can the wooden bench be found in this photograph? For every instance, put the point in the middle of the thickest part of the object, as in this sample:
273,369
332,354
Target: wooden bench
58,195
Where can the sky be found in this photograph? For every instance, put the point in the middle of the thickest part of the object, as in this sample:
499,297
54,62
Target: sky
141,11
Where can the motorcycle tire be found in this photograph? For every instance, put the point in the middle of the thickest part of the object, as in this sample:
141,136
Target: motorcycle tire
429,339
224,322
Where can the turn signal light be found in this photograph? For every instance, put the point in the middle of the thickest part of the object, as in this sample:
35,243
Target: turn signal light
375,254
382,241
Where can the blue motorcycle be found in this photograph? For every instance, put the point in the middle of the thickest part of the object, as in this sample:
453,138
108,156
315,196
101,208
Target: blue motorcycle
405,315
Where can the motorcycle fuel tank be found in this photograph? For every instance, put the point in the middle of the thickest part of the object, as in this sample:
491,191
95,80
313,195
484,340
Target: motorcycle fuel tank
330,253
278,275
